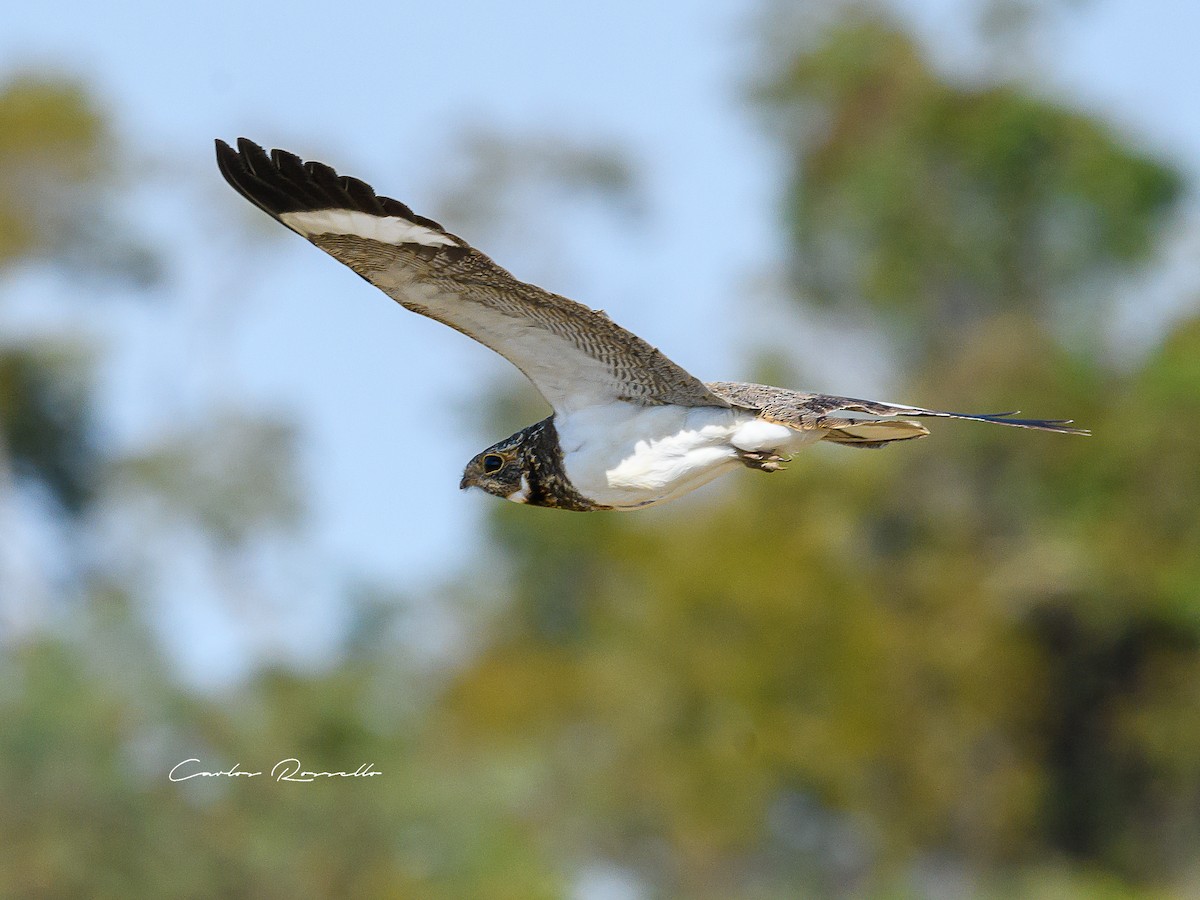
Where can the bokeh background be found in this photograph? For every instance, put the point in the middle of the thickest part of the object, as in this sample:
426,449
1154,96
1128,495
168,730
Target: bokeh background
229,529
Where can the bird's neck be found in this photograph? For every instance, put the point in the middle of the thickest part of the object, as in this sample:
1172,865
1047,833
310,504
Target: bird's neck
543,469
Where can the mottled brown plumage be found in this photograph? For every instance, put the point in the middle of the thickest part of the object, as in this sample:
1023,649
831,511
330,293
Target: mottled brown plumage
800,409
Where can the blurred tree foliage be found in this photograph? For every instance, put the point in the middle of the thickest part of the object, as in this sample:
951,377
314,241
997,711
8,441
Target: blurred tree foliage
967,662
51,140
44,422
50,147
92,716
83,705
970,666
56,185
89,731
946,204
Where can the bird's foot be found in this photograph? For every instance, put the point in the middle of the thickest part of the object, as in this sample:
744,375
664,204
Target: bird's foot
764,462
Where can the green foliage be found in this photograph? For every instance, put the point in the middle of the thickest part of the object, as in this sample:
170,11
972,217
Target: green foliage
51,145
89,730
948,650
943,204
45,432
976,650
51,141
56,181
972,660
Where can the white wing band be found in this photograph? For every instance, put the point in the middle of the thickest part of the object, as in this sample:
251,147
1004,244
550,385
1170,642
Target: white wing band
385,229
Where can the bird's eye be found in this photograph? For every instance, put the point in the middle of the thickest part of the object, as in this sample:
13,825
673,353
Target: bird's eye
492,463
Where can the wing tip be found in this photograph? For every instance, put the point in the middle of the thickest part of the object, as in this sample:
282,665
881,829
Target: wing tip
280,182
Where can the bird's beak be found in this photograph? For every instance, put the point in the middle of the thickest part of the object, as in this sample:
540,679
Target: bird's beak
464,484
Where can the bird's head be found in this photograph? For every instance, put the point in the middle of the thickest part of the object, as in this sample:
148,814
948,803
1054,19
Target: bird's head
502,470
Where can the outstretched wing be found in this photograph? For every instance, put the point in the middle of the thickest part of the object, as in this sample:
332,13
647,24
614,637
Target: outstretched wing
575,356
802,410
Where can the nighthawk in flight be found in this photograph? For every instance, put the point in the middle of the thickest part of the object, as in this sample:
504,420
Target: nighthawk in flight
630,428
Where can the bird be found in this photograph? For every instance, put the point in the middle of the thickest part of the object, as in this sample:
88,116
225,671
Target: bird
630,428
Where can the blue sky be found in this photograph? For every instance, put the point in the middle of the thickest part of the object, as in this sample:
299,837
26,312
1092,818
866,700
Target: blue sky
384,91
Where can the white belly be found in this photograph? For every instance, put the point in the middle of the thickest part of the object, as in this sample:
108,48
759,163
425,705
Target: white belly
627,456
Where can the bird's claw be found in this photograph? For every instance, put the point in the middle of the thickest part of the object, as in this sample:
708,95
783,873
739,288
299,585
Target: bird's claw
764,462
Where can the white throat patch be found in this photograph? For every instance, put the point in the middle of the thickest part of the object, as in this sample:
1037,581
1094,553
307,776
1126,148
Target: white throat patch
521,495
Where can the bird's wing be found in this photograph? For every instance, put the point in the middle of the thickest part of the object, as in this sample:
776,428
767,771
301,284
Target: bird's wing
575,356
803,410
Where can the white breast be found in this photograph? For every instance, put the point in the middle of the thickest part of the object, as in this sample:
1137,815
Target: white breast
627,456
